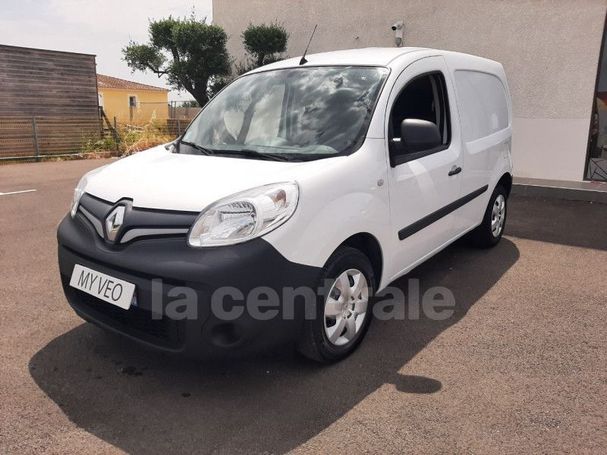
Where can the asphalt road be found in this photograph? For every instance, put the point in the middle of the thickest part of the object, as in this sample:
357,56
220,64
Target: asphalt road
519,367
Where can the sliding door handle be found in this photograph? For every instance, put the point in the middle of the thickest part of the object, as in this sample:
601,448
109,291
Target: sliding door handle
455,170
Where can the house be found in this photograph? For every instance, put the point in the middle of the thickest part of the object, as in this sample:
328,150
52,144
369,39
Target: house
552,53
132,102
48,101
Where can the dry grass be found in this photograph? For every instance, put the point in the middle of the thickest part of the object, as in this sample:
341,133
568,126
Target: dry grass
132,139
137,140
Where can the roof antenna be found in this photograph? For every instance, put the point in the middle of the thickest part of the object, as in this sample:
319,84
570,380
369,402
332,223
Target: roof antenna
303,60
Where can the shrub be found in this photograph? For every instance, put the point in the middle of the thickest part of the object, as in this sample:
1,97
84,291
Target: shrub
263,43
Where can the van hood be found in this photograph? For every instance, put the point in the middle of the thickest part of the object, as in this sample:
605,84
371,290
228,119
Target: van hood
159,179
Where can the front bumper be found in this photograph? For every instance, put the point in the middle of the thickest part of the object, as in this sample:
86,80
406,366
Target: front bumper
157,319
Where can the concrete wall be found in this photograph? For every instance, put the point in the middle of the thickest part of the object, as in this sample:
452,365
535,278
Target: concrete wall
550,49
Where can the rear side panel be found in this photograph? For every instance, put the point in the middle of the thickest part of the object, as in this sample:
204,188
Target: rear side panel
485,114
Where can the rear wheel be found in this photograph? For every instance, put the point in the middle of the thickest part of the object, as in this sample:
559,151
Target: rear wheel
492,228
343,314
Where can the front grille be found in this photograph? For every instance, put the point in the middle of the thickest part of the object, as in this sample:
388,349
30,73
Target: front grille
137,322
137,222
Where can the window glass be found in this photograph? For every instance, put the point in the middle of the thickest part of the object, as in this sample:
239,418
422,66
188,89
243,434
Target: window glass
483,104
265,122
300,113
424,98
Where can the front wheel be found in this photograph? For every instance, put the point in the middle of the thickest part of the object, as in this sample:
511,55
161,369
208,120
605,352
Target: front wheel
490,231
343,314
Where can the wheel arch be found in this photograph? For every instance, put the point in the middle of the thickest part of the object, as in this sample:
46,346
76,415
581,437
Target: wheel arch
506,181
368,245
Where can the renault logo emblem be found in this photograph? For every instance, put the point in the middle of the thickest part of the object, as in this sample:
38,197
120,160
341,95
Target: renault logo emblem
114,222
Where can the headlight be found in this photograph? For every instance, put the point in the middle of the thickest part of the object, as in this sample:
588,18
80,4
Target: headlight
244,216
81,188
78,192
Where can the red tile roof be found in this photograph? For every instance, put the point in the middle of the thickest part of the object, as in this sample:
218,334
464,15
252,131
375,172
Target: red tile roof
115,82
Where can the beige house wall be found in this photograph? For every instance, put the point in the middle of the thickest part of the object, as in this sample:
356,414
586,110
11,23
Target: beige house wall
550,49
152,105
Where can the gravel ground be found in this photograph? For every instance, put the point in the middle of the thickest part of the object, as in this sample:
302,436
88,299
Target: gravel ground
519,367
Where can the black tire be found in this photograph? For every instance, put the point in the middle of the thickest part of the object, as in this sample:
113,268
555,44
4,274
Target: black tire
314,342
483,236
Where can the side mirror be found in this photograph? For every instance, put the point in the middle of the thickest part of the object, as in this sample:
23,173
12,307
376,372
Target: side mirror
416,137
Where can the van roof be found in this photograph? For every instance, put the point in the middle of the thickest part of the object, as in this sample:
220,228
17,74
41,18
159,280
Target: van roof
370,56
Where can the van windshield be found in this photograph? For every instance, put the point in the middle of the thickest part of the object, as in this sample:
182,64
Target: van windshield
293,114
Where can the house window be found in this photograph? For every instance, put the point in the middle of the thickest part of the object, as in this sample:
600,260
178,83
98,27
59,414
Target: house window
132,101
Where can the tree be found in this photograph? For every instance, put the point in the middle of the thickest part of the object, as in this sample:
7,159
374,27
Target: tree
263,43
191,53
190,104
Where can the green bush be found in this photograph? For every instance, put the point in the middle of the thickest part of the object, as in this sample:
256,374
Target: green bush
263,43
95,144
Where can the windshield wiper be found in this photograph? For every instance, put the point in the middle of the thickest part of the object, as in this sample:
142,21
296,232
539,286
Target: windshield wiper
248,153
200,148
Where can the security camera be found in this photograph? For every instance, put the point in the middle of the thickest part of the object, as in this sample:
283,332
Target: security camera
398,28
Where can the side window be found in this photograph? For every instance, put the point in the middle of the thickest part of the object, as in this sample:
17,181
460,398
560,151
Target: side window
483,106
424,98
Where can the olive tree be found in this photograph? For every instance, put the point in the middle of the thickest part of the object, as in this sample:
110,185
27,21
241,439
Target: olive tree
189,52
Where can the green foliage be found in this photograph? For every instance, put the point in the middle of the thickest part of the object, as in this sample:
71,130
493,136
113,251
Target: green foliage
263,43
217,84
191,53
190,104
94,144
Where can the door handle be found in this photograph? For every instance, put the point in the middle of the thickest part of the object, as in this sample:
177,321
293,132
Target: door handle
455,170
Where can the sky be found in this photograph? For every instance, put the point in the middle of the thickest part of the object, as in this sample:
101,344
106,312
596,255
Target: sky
100,27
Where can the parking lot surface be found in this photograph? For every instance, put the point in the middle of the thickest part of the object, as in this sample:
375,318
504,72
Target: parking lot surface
521,366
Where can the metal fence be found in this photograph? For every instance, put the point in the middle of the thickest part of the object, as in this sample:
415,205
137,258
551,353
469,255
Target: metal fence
45,136
183,112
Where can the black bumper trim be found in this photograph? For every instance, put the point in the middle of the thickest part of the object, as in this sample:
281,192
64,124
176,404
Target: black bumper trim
244,266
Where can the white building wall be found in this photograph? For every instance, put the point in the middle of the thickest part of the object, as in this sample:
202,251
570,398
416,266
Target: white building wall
549,48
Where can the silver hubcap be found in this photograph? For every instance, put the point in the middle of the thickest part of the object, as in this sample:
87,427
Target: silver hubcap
346,307
498,215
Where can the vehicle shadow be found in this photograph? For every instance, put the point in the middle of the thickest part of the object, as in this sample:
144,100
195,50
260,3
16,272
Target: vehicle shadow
145,402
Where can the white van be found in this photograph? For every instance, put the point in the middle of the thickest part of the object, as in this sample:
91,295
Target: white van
348,170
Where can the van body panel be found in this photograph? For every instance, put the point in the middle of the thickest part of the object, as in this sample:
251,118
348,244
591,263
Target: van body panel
421,187
485,113
332,211
202,179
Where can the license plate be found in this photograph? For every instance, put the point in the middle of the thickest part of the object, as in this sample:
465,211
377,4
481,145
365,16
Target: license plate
104,287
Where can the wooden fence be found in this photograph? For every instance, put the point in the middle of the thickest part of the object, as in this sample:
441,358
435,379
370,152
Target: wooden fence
40,137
